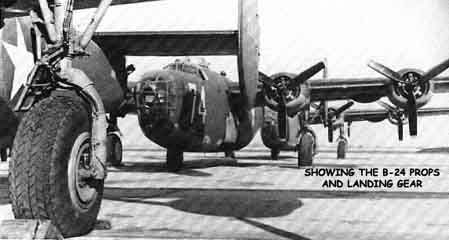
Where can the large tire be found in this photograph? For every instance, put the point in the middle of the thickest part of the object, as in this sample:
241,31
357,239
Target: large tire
306,150
52,140
175,159
115,150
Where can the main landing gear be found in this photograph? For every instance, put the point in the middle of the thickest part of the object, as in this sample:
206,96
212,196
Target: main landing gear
275,153
51,176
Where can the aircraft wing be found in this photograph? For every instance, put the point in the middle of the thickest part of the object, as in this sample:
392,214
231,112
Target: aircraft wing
353,88
170,43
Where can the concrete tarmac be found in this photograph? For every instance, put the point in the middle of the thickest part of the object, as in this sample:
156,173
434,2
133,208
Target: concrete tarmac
256,198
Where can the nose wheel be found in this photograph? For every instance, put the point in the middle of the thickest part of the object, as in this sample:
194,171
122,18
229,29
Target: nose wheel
306,149
275,154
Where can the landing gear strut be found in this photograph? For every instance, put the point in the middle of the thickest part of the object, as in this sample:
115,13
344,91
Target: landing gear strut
342,141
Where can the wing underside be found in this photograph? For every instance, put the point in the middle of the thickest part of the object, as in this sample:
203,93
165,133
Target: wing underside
171,43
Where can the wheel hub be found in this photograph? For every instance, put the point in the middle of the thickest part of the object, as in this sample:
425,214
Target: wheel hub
81,175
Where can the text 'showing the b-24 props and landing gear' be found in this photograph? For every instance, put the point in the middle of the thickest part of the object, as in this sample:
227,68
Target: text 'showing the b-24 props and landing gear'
69,104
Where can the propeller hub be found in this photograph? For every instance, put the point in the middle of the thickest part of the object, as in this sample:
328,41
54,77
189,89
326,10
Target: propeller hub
282,90
412,84
398,116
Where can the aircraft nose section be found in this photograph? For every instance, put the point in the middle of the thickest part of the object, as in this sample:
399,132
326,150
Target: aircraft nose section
156,99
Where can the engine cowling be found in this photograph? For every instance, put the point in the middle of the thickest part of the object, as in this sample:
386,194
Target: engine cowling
423,91
296,97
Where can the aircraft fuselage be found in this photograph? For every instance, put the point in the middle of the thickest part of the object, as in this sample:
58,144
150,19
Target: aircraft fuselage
188,107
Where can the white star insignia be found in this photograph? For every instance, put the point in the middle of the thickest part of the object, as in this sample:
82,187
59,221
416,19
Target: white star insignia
21,58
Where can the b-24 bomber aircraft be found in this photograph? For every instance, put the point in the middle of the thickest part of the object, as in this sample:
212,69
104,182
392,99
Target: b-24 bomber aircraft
67,107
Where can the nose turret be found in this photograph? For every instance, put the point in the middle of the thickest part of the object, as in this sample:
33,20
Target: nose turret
156,99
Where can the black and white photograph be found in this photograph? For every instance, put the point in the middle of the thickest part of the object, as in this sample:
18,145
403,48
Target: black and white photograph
224,119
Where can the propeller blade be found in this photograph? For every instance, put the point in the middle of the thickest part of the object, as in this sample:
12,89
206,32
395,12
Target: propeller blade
412,113
400,131
343,108
307,74
387,72
386,105
435,71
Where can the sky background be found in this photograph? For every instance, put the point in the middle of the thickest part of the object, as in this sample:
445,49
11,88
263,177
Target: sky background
297,33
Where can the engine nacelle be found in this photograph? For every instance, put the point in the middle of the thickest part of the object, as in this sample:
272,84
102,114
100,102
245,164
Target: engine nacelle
297,97
423,92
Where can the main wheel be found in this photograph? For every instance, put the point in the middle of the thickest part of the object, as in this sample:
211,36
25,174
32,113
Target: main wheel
4,154
342,148
306,150
275,154
175,160
49,171
115,150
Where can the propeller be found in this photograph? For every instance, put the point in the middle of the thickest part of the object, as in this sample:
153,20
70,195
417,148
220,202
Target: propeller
283,94
396,116
409,83
333,115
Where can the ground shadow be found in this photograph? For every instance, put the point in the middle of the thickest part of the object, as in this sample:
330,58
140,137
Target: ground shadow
243,205
214,202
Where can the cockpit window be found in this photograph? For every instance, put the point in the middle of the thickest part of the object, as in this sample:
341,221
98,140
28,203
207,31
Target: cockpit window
183,67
